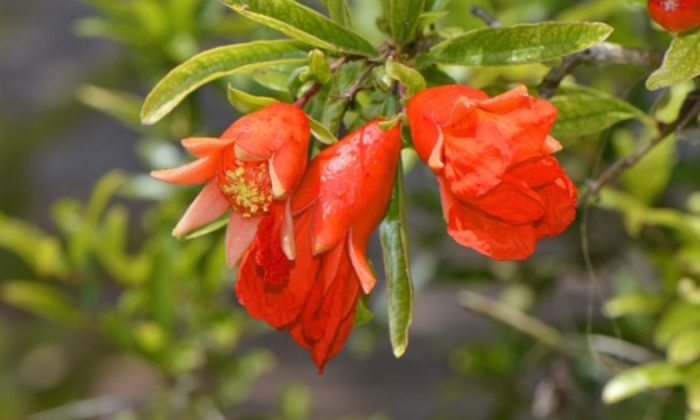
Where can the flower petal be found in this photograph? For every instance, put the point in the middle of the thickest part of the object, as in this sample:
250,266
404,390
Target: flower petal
204,146
486,234
560,206
287,232
512,202
195,172
239,234
209,205
357,246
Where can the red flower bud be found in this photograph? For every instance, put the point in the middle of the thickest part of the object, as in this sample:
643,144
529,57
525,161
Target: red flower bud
501,190
253,166
340,201
675,15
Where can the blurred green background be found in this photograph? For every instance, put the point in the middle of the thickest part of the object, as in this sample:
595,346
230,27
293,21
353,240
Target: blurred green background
104,315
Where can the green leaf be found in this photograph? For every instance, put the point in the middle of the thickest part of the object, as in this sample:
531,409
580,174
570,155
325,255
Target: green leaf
213,64
362,314
246,103
394,239
685,346
407,76
681,63
41,300
584,111
678,317
692,387
642,378
208,228
322,134
517,44
303,24
339,11
318,69
633,304
120,105
403,19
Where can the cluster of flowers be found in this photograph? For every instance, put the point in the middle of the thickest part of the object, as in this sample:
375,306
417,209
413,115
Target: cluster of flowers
301,231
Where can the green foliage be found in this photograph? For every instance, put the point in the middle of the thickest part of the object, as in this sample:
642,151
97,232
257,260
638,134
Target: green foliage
394,236
681,63
211,65
403,19
303,24
584,111
518,44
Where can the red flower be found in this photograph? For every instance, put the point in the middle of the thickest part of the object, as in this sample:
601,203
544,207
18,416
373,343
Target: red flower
501,190
250,169
675,15
340,201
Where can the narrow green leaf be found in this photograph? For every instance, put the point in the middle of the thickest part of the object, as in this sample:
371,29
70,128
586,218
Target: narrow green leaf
642,378
685,346
303,24
321,133
208,228
407,76
394,239
517,44
339,11
585,111
41,300
678,317
120,105
692,388
633,304
246,103
403,19
681,63
213,64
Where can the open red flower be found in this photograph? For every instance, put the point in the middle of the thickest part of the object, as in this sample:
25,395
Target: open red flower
251,168
675,15
501,190
340,201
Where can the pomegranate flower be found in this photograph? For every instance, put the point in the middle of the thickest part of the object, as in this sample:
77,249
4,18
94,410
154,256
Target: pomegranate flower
501,190
675,15
250,169
340,201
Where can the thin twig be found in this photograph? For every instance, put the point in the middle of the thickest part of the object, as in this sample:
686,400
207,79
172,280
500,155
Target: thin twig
482,14
512,317
627,162
600,55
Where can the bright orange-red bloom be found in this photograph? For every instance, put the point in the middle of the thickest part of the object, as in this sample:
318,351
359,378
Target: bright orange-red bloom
501,190
251,169
340,201
675,15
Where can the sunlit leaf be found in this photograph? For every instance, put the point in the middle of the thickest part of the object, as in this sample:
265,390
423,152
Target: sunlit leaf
407,76
303,24
42,300
584,111
339,11
213,64
246,103
685,346
642,378
517,44
403,18
681,63
633,304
